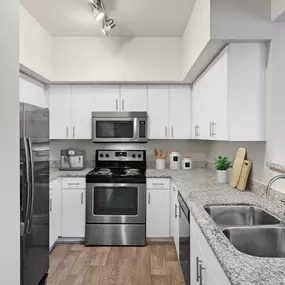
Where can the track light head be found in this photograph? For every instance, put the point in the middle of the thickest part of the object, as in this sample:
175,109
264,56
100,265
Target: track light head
97,8
108,25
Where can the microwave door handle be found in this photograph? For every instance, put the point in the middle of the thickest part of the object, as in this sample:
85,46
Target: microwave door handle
136,129
24,228
32,184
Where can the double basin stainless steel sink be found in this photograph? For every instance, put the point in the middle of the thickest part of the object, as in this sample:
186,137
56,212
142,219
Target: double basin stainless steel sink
250,229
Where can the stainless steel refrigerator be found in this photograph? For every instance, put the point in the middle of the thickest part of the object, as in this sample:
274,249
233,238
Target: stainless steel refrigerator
34,194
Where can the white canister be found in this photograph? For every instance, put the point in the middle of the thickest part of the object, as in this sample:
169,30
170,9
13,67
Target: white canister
175,161
187,163
160,164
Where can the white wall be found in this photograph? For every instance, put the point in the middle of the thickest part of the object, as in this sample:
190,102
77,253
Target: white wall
240,20
186,147
277,9
196,35
35,46
9,144
117,59
255,152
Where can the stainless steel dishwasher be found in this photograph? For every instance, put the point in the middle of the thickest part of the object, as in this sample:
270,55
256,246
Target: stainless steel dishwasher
184,239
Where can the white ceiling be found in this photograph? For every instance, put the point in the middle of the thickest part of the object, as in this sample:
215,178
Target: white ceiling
141,18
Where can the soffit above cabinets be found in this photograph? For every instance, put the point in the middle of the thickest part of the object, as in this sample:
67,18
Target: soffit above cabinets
134,18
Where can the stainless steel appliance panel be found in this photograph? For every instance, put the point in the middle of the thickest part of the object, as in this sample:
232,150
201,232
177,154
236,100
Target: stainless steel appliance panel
115,234
184,239
34,149
117,203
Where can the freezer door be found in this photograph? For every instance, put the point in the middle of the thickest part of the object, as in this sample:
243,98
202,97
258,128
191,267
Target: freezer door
35,242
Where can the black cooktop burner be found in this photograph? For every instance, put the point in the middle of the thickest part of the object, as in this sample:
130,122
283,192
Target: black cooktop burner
116,175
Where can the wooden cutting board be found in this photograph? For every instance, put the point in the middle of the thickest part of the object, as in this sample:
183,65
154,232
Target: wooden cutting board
244,175
237,167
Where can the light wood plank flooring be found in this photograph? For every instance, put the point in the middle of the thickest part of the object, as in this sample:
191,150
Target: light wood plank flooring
150,265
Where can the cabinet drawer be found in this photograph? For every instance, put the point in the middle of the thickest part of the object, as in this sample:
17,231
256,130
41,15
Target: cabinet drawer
158,183
73,183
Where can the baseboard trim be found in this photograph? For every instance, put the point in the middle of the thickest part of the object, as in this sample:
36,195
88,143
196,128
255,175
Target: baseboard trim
70,240
169,240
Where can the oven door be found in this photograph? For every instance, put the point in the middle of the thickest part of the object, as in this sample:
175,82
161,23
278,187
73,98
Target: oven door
116,203
114,129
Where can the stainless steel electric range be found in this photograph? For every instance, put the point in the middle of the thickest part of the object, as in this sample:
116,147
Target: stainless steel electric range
116,199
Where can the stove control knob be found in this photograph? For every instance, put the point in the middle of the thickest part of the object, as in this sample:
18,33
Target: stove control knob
107,155
134,156
139,156
101,155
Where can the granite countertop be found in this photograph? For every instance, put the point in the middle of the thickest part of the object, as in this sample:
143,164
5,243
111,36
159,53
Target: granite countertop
56,173
199,188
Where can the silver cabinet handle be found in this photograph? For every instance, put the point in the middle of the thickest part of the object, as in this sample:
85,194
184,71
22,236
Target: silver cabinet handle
165,132
172,131
197,269
116,104
50,205
176,211
67,132
149,198
213,128
73,131
123,104
81,198
210,129
198,131
201,273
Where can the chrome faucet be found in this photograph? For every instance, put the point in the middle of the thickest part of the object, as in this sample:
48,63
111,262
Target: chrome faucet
272,181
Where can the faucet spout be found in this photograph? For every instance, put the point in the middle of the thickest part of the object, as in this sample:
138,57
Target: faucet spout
272,181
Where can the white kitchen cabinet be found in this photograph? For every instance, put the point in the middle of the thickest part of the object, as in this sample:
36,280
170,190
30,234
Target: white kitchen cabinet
83,103
60,112
52,221
32,92
73,213
204,267
158,98
157,214
169,112
228,98
179,112
106,98
133,98
55,212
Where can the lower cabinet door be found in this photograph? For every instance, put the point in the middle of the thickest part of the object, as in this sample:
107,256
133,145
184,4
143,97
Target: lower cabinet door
73,213
52,220
157,215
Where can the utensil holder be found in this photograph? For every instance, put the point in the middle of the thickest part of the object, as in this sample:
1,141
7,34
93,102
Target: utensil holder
160,164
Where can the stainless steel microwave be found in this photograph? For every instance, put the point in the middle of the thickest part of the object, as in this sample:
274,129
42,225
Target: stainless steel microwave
119,127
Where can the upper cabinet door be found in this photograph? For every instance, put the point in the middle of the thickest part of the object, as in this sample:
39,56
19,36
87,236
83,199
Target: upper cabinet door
60,112
106,98
83,104
158,107
134,98
179,106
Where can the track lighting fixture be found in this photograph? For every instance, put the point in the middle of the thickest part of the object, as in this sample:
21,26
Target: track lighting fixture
98,9
108,25
100,14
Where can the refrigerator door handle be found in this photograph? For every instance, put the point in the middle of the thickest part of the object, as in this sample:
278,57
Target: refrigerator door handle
32,185
24,229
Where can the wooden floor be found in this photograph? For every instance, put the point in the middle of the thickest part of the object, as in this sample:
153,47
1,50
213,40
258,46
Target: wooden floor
150,265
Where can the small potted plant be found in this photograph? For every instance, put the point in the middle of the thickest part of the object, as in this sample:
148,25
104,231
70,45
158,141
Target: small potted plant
222,165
